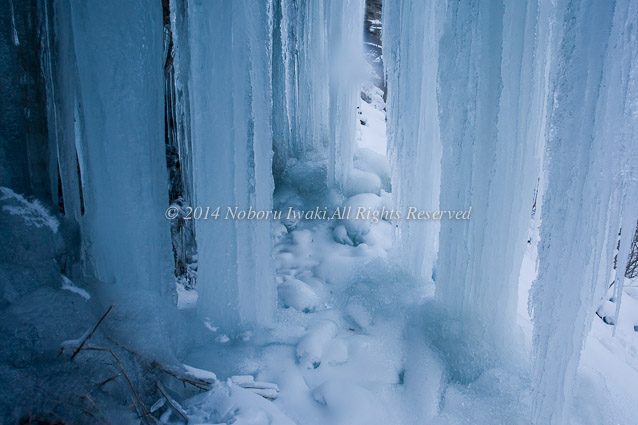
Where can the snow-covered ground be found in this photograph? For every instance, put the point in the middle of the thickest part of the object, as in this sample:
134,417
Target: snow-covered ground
607,380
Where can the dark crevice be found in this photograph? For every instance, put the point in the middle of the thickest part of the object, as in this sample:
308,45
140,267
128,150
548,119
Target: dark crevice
80,184
182,231
60,193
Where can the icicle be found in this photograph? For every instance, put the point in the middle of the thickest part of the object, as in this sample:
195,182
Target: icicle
111,79
590,155
231,112
461,85
413,128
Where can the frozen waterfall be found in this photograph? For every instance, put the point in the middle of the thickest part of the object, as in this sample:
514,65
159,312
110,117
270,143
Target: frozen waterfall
199,186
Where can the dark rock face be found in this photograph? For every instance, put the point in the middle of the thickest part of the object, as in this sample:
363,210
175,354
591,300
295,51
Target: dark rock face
372,40
372,22
24,151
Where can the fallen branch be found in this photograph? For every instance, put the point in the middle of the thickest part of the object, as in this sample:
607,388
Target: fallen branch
267,390
90,334
199,383
159,403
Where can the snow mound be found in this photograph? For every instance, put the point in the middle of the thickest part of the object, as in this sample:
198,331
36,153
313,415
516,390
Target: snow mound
297,294
311,348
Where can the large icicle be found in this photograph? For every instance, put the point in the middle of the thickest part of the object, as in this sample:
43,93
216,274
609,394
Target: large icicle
60,69
316,59
460,86
345,37
118,48
591,176
414,148
231,108
488,161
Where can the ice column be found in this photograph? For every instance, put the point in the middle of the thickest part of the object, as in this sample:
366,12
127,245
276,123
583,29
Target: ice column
461,83
119,101
591,158
411,34
231,112
488,163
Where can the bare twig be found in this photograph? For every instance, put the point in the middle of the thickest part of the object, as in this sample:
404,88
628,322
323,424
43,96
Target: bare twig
88,398
80,408
106,381
174,405
90,334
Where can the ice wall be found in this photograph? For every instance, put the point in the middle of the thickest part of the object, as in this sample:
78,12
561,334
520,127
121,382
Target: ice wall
106,87
59,67
231,112
317,58
591,174
461,81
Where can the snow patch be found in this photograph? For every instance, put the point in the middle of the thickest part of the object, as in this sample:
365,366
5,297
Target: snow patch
32,212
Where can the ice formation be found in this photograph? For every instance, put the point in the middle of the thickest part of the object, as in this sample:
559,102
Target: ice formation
591,160
501,106
300,103
413,129
230,95
478,148
317,48
23,147
106,102
503,88
301,107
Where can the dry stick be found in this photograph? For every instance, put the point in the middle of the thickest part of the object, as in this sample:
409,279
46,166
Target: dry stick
175,405
90,400
106,381
80,408
86,338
